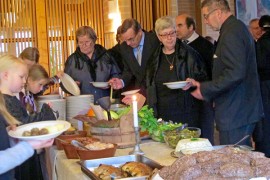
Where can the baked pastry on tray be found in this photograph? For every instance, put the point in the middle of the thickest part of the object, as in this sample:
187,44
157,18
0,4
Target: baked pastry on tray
104,172
135,169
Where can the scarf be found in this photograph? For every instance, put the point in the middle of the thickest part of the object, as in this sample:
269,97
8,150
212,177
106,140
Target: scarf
91,63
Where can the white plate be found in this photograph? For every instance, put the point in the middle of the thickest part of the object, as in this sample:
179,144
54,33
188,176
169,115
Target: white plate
130,92
70,85
42,124
49,97
100,84
176,85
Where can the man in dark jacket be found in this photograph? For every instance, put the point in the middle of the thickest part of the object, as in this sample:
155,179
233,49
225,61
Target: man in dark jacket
263,61
185,28
235,87
136,50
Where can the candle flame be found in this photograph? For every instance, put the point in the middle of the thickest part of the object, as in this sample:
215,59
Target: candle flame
134,97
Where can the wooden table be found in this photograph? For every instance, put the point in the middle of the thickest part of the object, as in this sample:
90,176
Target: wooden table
69,169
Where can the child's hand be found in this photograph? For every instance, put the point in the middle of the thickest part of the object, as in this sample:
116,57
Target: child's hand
38,144
60,74
11,127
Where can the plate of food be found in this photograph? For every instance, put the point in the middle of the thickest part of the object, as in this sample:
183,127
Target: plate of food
100,84
70,85
176,85
40,130
130,92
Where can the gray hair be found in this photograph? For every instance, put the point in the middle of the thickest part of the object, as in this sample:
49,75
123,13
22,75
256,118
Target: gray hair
216,4
86,30
164,22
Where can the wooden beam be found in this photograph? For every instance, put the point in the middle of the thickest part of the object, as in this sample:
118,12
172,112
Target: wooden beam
42,36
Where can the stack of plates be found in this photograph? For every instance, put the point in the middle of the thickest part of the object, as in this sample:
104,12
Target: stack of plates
49,97
78,104
58,105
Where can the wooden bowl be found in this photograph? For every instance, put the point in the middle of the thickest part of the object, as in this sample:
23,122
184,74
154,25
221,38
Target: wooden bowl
70,150
95,154
66,137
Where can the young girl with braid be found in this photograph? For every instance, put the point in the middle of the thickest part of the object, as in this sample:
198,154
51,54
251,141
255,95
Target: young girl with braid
13,73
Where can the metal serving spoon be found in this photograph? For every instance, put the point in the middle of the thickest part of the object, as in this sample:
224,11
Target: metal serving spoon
241,140
78,144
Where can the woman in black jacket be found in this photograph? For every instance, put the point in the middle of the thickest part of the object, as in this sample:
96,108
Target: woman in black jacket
91,62
173,61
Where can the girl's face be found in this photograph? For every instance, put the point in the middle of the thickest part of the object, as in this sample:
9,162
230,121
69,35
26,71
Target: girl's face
16,79
36,86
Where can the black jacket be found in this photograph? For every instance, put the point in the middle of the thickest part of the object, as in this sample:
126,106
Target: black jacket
99,69
188,65
235,87
263,56
133,74
17,110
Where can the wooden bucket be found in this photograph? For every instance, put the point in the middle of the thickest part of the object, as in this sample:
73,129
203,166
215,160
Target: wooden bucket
123,136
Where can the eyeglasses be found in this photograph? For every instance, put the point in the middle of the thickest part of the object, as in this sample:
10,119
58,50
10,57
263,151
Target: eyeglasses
86,43
206,16
171,34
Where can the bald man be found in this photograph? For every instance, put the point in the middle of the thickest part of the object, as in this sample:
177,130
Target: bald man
255,29
185,28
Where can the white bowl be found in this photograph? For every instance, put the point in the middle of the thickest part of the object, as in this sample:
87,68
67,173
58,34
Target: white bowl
100,84
42,124
176,85
130,92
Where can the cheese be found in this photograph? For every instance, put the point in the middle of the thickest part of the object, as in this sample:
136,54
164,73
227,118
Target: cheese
192,145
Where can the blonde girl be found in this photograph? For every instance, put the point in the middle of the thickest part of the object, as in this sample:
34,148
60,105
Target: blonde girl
13,73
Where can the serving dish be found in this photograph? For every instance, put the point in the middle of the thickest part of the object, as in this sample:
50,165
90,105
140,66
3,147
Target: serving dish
88,166
95,154
176,85
195,150
68,136
172,137
18,133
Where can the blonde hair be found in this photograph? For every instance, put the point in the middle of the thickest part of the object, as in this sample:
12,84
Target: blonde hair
38,72
164,22
9,61
30,53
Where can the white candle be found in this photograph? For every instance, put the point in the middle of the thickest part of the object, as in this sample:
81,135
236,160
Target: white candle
135,111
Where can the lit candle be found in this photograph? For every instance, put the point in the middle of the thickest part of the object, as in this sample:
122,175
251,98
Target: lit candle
135,111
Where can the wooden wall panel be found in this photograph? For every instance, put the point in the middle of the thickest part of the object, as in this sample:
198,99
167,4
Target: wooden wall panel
17,26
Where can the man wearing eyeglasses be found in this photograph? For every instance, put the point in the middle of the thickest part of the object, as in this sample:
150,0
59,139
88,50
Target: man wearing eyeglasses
234,87
136,50
185,28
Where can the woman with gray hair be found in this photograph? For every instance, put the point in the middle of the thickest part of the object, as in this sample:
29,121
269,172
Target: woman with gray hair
90,62
173,61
